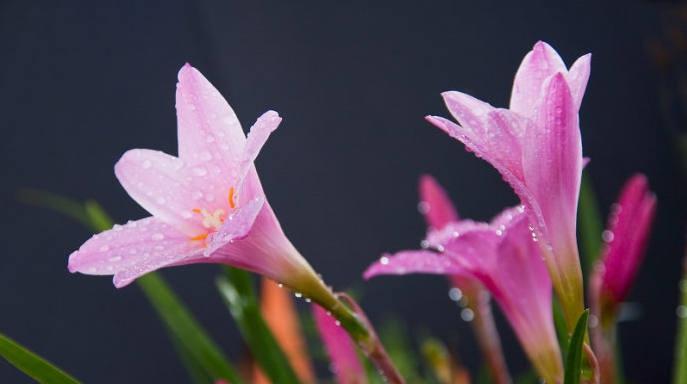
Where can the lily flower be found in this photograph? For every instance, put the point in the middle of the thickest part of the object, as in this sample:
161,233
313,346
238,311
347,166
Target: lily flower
439,212
207,204
504,258
536,146
344,360
625,242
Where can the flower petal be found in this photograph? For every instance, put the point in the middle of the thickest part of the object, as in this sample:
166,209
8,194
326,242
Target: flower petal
552,163
206,121
344,360
435,204
578,76
627,236
537,66
156,181
407,262
237,225
257,137
131,250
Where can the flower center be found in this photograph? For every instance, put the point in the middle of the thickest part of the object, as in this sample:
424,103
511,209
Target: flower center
214,220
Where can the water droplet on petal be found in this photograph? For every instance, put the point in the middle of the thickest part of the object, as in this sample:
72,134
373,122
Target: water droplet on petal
467,314
607,236
158,236
384,260
455,294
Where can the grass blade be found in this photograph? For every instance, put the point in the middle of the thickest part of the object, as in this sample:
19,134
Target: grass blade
31,364
590,224
236,288
573,362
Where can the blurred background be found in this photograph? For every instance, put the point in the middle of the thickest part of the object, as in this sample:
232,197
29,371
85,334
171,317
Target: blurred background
82,82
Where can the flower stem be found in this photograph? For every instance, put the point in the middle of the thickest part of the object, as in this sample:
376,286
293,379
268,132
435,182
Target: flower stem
489,342
353,320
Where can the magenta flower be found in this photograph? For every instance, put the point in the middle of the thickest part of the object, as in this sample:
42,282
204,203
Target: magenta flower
344,360
207,204
625,242
536,146
439,212
505,259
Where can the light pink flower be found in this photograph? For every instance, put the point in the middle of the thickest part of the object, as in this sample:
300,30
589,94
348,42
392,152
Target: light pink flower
505,259
340,348
536,146
207,204
625,242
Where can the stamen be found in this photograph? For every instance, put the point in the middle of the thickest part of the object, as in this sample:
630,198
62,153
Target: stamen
200,237
232,203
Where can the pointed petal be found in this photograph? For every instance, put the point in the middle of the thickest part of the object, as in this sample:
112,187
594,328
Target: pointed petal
236,226
435,204
627,237
257,137
206,121
538,65
407,262
158,183
552,163
131,250
578,76
344,360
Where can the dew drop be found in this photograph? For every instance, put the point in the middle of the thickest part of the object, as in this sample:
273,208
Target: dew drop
298,294
455,294
158,236
423,207
467,314
681,311
607,236
384,260
115,259
200,171
104,248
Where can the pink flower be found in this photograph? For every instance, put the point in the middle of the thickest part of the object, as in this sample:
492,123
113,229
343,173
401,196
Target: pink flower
207,204
536,146
626,239
505,259
340,348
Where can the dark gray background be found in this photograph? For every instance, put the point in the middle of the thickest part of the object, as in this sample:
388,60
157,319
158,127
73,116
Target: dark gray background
81,82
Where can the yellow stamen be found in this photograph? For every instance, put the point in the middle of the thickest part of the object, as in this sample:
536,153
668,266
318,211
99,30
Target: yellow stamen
200,237
232,203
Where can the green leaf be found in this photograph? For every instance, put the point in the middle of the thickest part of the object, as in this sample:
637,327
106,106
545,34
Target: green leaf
181,323
31,364
193,368
236,288
573,362
54,202
99,219
590,224
561,327
680,367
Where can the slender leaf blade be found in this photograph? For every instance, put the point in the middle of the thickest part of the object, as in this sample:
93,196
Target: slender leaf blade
573,362
181,323
236,288
590,224
31,364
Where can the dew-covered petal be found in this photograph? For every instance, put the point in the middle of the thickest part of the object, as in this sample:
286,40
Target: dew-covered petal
264,250
435,204
340,348
627,236
407,262
157,182
578,76
552,163
206,122
237,225
538,65
133,249
257,137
